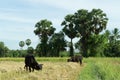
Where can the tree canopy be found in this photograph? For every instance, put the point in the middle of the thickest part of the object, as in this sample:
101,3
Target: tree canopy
44,30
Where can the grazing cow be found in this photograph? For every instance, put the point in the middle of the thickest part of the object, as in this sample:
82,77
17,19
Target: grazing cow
77,58
30,62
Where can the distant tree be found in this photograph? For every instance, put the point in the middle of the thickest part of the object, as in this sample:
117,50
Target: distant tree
28,42
115,35
113,47
87,24
13,53
30,50
6,50
3,49
44,30
21,44
69,30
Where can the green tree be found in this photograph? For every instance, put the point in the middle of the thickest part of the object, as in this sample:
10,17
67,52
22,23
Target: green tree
87,24
69,30
97,44
3,49
28,42
115,35
13,53
44,30
113,47
21,44
57,43
39,49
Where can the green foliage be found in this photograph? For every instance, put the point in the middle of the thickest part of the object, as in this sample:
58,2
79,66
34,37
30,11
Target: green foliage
28,42
13,53
3,49
97,44
44,30
16,53
38,50
87,24
69,29
113,47
21,44
57,43
30,50
69,26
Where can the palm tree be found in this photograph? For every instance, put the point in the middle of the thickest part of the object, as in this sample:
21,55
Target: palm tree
21,44
114,42
28,42
44,29
69,29
87,24
82,26
115,35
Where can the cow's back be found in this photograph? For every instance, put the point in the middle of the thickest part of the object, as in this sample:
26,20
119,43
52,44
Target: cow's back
29,59
76,58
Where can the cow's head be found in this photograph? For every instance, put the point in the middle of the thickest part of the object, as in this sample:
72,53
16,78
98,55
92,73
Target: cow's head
38,67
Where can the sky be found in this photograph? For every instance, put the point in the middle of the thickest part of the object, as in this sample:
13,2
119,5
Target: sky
18,17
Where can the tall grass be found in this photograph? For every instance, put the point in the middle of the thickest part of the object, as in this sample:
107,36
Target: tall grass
101,69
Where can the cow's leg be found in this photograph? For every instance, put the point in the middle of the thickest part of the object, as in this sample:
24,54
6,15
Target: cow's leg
30,69
80,61
26,68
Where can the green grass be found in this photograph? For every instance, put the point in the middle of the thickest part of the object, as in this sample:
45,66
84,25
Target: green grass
101,69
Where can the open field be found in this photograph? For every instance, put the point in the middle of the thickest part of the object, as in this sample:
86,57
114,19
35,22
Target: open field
59,69
52,70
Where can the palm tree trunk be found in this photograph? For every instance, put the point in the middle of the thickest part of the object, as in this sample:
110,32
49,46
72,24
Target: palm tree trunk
84,47
71,48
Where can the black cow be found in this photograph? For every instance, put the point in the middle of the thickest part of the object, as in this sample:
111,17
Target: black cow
30,62
76,58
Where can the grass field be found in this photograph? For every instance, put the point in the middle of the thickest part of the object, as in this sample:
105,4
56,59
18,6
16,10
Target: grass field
101,69
59,69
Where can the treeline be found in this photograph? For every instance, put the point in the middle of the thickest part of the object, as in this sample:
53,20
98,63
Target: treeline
88,26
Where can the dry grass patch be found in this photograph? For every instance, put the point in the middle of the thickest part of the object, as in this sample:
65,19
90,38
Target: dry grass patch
10,70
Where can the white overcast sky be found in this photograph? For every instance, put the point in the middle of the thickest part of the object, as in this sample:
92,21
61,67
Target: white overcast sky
18,17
